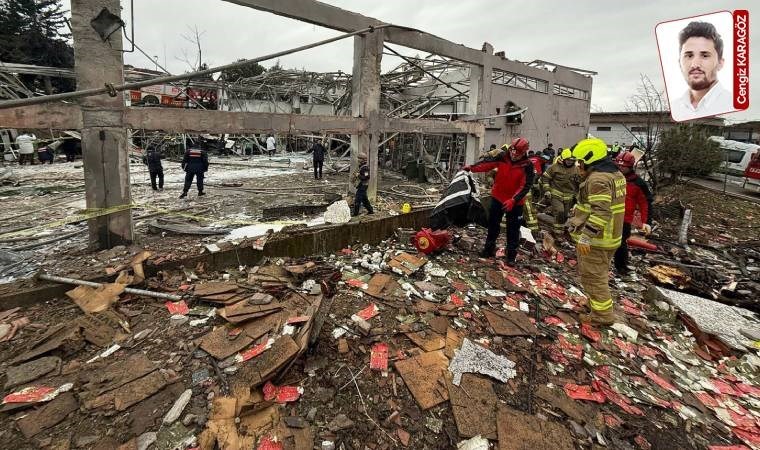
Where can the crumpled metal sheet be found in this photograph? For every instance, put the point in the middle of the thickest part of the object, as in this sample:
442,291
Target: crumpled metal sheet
715,318
472,358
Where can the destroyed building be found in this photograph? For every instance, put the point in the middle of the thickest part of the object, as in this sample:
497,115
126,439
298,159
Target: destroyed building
263,316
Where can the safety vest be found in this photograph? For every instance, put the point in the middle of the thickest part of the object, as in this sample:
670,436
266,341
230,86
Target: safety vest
600,209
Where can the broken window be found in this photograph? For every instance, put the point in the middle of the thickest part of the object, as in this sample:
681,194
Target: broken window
520,81
569,91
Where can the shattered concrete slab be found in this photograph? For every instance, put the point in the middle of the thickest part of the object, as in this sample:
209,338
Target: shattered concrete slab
472,358
48,415
520,431
424,376
219,344
510,323
474,404
723,321
25,373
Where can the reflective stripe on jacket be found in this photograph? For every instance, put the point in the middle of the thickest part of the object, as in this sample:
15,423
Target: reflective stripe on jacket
600,209
563,181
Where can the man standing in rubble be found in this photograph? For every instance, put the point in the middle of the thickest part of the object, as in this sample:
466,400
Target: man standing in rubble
25,142
361,177
318,158
152,159
271,145
561,181
637,196
597,225
195,164
514,178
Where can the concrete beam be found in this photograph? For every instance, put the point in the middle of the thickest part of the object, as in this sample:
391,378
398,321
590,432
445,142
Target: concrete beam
189,120
104,138
329,16
58,116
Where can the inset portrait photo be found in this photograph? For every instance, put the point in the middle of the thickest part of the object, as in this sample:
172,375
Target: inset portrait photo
697,60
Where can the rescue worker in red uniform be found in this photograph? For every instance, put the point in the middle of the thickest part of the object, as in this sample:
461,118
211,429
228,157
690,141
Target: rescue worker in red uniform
637,196
514,178
529,210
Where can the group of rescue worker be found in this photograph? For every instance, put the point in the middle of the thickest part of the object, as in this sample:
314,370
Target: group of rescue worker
194,163
593,198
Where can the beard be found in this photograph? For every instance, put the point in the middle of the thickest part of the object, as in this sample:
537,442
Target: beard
701,84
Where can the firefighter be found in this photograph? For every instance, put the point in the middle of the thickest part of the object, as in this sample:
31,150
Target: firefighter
529,210
514,179
195,164
637,196
597,225
561,181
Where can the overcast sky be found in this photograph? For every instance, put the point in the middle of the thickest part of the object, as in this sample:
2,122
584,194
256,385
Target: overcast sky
614,38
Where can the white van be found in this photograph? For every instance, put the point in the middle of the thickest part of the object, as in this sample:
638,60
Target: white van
736,155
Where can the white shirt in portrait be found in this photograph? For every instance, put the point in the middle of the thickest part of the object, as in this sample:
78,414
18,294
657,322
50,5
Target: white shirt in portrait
718,100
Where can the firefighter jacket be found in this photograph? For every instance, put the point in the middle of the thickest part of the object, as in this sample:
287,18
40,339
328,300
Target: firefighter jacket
601,205
562,181
513,178
195,161
637,196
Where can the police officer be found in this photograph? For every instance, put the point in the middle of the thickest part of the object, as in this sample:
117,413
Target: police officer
153,159
362,179
318,158
195,164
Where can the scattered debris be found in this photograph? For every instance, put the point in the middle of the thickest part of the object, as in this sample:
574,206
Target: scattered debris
472,358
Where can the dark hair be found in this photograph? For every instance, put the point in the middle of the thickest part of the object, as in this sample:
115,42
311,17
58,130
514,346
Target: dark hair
701,29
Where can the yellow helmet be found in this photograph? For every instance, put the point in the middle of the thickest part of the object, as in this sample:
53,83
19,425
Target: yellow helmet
590,150
566,154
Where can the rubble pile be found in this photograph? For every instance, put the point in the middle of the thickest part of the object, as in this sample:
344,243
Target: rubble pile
378,347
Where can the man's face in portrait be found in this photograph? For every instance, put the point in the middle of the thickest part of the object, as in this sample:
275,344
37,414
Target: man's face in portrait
700,63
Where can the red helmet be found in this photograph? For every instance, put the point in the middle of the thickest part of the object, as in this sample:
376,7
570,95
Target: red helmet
625,159
521,146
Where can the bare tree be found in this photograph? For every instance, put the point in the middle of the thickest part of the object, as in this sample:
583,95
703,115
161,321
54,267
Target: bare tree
650,105
193,36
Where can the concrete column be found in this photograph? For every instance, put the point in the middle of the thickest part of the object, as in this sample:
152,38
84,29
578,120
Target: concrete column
104,138
365,102
479,103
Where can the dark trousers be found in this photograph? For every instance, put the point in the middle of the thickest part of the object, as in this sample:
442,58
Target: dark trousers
45,157
70,156
318,169
23,157
160,175
514,218
189,181
361,199
621,254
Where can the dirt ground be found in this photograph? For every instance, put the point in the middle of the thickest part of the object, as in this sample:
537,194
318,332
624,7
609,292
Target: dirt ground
666,387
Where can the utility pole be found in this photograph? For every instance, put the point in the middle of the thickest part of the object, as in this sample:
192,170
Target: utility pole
104,138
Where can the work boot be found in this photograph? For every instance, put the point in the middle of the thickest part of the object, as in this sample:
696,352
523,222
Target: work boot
511,258
606,317
200,194
183,195
488,252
